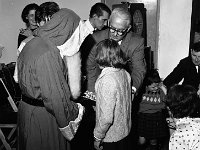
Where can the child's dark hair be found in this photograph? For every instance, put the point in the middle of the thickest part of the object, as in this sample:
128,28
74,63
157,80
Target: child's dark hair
46,9
152,76
183,101
109,54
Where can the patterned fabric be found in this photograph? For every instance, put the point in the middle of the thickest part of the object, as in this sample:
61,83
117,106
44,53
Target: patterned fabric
187,135
152,102
152,125
113,105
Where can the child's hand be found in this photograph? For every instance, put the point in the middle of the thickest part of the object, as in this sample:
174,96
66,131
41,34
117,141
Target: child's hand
163,87
171,124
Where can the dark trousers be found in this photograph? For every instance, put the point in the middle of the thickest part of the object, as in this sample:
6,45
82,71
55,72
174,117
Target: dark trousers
119,145
84,136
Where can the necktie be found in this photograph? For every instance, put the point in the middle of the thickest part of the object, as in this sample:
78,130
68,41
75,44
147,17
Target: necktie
198,73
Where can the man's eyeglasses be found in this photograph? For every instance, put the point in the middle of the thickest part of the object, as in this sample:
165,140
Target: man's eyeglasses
119,32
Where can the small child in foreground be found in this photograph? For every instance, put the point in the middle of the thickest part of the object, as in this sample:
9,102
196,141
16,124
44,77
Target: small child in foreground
152,125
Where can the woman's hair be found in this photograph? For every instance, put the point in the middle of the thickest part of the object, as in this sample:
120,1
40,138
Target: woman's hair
152,76
26,10
109,54
46,9
183,101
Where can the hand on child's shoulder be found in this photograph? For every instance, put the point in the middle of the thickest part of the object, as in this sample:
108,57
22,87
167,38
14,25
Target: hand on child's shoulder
163,87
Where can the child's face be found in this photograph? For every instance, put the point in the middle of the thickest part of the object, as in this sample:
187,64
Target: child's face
153,87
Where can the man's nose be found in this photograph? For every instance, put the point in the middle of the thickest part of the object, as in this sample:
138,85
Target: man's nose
197,59
105,23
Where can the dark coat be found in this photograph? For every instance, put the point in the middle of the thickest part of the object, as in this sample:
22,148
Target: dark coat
185,71
133,48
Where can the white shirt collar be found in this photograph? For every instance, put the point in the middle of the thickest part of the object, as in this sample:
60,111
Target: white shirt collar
89,25
120,42
197,69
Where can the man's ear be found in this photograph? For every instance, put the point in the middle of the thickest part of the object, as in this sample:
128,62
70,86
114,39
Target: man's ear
95,16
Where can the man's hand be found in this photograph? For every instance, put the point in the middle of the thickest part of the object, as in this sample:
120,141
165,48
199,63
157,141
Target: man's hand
97,145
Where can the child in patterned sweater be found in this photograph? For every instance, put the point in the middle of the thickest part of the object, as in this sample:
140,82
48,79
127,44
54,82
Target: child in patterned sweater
151,120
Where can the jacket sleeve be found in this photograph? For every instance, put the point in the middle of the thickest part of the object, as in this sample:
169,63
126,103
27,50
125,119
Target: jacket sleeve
175,76
137,62
92,69
85,49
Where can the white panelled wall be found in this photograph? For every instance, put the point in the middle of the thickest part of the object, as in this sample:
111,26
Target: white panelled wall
174,33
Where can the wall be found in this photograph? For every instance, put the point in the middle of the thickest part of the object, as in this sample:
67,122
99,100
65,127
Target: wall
174,33
10,16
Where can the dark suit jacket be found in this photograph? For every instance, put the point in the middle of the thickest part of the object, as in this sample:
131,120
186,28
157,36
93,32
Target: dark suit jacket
133,48
185,70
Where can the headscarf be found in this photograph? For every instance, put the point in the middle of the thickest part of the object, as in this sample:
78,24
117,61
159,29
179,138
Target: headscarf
60,27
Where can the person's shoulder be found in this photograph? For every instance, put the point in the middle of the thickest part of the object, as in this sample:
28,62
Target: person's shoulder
135,37
37,47
185,60
35,42
109,79
100,34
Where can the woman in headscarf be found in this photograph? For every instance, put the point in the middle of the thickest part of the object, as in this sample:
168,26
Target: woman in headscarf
46,112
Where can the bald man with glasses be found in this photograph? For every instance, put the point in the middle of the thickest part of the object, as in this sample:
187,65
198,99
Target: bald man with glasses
132,45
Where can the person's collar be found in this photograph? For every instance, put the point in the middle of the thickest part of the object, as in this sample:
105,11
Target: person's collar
107,70
120,42
89,25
